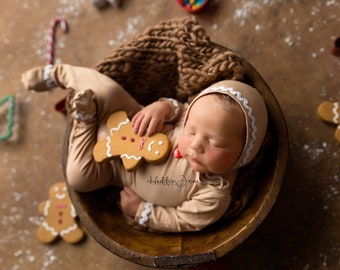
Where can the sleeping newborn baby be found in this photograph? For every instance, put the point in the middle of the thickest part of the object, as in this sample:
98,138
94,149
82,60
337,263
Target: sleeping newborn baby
220,131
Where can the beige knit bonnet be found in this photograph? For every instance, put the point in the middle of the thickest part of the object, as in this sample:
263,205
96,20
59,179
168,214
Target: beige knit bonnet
254,109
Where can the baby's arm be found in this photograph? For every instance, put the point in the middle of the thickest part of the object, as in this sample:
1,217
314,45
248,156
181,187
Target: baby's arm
129,201
206,207
151,118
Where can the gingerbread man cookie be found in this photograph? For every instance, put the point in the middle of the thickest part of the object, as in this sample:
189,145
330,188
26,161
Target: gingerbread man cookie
60,217
330,113
130,147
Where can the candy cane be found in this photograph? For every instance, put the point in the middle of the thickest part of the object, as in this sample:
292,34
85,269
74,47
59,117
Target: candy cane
51,36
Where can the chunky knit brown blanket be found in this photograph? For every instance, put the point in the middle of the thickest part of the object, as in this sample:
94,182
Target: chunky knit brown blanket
174,58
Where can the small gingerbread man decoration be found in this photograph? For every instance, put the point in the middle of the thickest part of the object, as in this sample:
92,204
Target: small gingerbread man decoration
130,147
329,112
60,217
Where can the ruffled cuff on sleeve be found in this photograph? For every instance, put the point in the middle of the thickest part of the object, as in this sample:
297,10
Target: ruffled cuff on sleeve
143,213
47,77
175,109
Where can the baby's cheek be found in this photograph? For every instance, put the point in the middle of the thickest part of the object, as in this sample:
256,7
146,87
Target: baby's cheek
182,144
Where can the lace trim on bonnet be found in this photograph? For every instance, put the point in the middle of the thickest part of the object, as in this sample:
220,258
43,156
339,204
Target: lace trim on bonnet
254,109
244,101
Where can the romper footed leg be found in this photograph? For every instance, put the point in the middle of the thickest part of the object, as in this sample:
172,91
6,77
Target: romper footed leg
82,172
38,79
110,96
89,111
84,107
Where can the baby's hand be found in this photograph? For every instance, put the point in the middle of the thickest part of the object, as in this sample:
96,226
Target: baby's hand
129,201
151,118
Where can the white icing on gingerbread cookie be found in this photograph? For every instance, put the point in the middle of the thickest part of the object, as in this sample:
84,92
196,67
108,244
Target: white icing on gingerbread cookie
130,147
60,217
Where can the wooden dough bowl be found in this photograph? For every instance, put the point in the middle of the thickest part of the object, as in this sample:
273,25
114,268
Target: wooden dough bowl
105,223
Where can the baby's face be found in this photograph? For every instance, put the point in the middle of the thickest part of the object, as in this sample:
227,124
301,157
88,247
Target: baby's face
213,137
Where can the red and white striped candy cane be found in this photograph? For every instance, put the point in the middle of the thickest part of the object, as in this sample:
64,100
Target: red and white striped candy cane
51,36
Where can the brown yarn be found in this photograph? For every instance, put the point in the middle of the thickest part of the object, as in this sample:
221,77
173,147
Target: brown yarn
174,58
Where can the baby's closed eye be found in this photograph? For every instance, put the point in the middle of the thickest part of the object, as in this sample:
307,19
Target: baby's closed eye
218,144
190,131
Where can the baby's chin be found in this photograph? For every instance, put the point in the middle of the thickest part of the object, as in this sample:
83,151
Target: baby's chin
196,166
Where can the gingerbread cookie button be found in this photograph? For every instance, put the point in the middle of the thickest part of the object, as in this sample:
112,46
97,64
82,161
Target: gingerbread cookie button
130,147
60,217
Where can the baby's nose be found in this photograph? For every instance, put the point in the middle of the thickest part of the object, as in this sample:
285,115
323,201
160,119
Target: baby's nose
197,146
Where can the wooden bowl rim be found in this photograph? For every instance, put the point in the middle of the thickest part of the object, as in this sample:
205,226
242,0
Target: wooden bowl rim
185,260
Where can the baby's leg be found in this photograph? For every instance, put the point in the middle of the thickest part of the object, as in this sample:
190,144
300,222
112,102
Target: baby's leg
38,79
89,112
82,172
110,96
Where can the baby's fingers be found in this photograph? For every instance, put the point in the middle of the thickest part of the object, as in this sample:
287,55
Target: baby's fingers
134,119
144,125
137,122
154,126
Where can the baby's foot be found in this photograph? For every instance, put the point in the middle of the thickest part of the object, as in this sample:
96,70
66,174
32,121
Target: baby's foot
84,106
38,79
